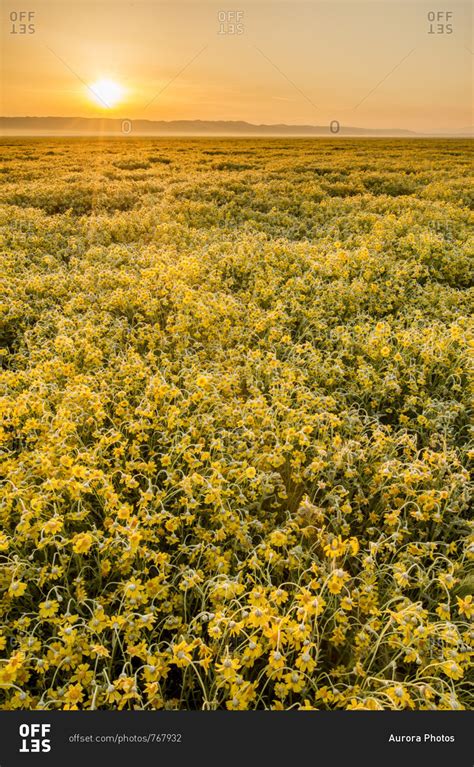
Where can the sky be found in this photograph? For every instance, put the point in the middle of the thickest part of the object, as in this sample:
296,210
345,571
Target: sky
376,64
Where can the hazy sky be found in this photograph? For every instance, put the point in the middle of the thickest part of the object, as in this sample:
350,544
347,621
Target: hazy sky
376,64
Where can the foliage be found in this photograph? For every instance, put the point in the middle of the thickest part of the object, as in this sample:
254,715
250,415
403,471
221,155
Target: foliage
236,405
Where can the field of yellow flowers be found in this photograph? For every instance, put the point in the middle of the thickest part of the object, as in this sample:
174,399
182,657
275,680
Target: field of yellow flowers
235,424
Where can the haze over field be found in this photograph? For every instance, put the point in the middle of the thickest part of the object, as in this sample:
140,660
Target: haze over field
70,126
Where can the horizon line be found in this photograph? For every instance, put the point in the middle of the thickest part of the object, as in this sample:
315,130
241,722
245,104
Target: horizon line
199,127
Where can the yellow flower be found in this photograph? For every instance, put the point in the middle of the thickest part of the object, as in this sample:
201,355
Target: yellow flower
228,667
52,526
48,609
306,706
336,581
452,669
366,704
335,548
277,538
202,381
258,618
400,696
347,603
279,596
182,653
82,542
16,661
305,662
443,611
294,681
354,546
7,675
276,662
17,589
278,705
309,603
100,651
465,606
237,703
83,674
250,472
252,651
325,694
73,696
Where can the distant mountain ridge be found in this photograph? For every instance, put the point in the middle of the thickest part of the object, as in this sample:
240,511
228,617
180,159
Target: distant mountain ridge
91,126
114,126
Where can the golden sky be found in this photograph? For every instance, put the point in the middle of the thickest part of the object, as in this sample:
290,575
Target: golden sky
376,64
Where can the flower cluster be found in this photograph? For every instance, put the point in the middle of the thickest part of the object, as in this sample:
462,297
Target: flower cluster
235,411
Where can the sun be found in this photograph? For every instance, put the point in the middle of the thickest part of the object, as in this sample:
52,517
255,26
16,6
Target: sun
106,92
